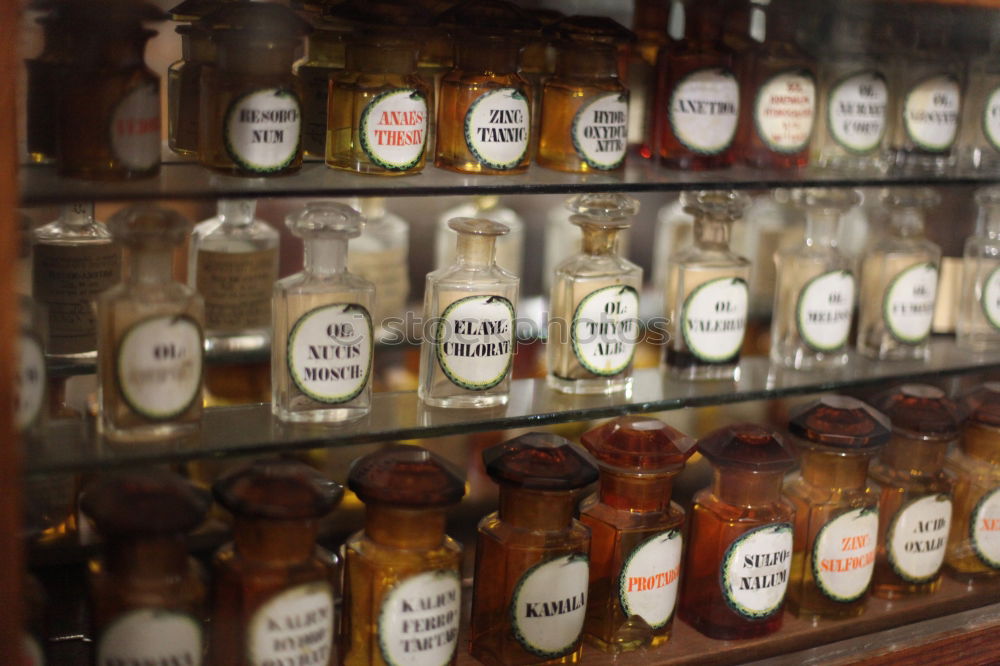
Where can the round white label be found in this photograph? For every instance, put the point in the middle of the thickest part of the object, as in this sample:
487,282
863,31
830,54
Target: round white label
984,528
648,583
784,111
605,329
908,306
990,298
293,627
30,379
930,113
474,340
917,538
394,128
159,366
330,352
857,111
497,126
151,636
32,651
418,623
823,311
755,570
714,318
600,131
135,129
991,119
549,605
704,110
263,130
843,557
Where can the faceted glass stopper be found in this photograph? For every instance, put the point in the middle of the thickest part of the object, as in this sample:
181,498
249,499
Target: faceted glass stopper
326,219
406,476
477,226
911,197
747,446
278,488
725,205
607,211
540,461
148,502
834,199
147,225
639,444
841,422
982,404
922,411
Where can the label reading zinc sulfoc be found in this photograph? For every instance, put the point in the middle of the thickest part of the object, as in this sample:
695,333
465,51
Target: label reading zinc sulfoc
908,306
714,318
917,537
823,311
549,605
755,570
704,110
497,127
600,131
605,329
330,352
648,583
418,623
263,129
393,128
293,627
843,557
474,341
857,111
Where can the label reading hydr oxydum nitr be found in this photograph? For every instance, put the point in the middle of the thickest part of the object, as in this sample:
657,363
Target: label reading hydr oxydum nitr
930,113
784,111
843,557
648,583
714,318
135,129
990,298
330,352
857,111
159,365
475,341
151,636
549,605
605,329
263,129
704,109
497,127
984,529
293,627
908,306
755,570
600,131
394,128
418,622
823,311
917,538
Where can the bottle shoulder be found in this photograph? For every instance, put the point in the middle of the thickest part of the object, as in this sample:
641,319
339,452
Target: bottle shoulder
583,266
58,233
309,283
458,277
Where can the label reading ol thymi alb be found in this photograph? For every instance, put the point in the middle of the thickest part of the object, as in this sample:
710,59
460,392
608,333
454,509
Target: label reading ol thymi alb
549,605
330,352
600,131
917,538
263,130
755,570
843,557
418,623
605,328
293,627
648,583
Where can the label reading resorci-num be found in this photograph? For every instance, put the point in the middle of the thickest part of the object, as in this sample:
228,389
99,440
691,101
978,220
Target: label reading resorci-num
237,288
704,110
991,118
857,111
605,328
784,111
648,583
263,129
418,623
600,131
908,306
755,570
294,627
135,129
714,318
394,128
984,528
151,636
330,352
159,366
497,127
475,341
823,311
30,381
843,556
917,538
930,113
549,605
990,298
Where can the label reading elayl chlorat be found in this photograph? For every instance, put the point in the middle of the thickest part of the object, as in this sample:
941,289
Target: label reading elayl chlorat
605,329
843,557
330,352
159,364
857,110
917,537
600,131
823,310
418,622
29,387
549,605
930,113
704,110
991,118
989,298
784,111
263,130
714,318
474,341
293,627
908,305
755,569
135,129
648,583
151,636
393,128
984,528
497,126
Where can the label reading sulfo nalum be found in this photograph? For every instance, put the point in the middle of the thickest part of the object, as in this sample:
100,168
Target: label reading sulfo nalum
908,305
991,118
418,623
989,298
151,636
605,329
474,341
917,537
330,352
784,111
497,126
857,110
393,128
263,129
843,557
648,583
755,570
293,627
549,605
29,386
600,131
714,318
984,529
704,110
135,129
823,311
930,113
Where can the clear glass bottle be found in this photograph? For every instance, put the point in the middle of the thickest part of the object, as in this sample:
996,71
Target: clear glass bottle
469,317
899,276
325,56
233,263
563,240
510,246
401,559
532,555
978,325
321,356
183,87
707,295
594,303
979,134
814,297
636,532
150,334
836,511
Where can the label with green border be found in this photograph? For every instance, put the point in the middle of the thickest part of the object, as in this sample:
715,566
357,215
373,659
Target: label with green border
393,128
984,529
605,329
151,636
784,111
549,605
908,304
714,318
824,309
474,341
295,626
843,557
600,131
419,619
991,119
930,113
649,579
917,536
857,111
263,130
755,570
497,128
329,355
989,299
704,110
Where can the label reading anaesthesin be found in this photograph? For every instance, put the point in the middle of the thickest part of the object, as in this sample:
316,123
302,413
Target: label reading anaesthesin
393,128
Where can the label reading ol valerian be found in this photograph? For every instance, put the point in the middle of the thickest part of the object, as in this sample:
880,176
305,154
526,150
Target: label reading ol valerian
714,318
984,529
843,557
917,538
600,131
135,129
418,623
857,111
151,636
293,627
263,130
784,111
549,605
474,341
755,569
823,311
908,305
497,126
989,299
930,113
605,329
704,109
647,586
393,128
330,352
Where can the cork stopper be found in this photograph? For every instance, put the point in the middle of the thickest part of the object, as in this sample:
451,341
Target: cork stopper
639,445
144,503
747,446
407,476
277,488
236,211
920,411
840,422
326,219
723,205
148,225
540,461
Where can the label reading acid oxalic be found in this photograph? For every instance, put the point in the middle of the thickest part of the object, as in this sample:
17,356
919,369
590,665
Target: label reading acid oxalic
135,129
917,538
823,311
151,636
263,130
989,298
648,583
330,352
704,110
857,111
908,306
497,128
930,113
475,341
159,366
714,318
784,111
755,570
418,623
393,128
549,605
600,131
843,557
605,329
293,627
984,529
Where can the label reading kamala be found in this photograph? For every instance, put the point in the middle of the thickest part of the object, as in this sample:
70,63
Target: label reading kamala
394,128
549,605
990,298
714,318
704,110
294,627
984,529
330,352
135,129
908,307
755,570
917,538
857,111
600,131
930,113
29,387
497,126
263,129
823,311
475,341
159,366
991,119
784,111
843,557
605,329
647,586
151,636
418,623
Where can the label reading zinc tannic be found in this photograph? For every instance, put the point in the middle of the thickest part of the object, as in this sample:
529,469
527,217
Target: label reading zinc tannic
294,627
984,529
263,129
755,570
704,110
475,341
605,328
600,131
823,311
930,113
857,111
784,111
151,636
330,352
394,128
843,557
990,298
497,126
714,318
647,586
917,537
991,118
418,623
135,129
549,605
908,306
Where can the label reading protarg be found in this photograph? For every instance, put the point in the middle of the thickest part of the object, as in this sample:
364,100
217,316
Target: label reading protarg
984,529
843,557
989,298
263,130
293,627
784,111
330,352
497,127
930,113
857,111
605,329
600,131
29,387
714,318
549,605
475,341
135,129
648,583
393,128
151,636
917,538
418,623
237,288
908,306
704,110
823,311
755,570
991,119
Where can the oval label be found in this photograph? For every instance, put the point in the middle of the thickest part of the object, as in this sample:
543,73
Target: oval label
263,130
605,329
714,318
917,538
294,626
151,636
600,131
843,557
647,586
984,529
908,306
159,366
991,119
857,110
704,110
330,352
497,127
393,128
135,129
474,341
418,622
784,111
549,605
755,571
30,379
824,309
989,299
930,113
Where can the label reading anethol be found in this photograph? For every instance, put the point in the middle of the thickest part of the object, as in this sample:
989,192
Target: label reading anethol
704,110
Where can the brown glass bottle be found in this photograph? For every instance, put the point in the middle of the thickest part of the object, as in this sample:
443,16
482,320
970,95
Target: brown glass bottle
325,56
402,573
915,502
836,512
530,588
273,586
44,84
184,88
739,551
147,595
636,532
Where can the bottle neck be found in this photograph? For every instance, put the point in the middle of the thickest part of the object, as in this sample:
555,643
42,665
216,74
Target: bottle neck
201,47
712,233
240,53
770,26
989,220
907,223
235,213
151,265
405,528
835,469
746,488
918,457
600,241
275,542
476,250
630,492
77,216
537,509
596,61
374,59
822,227
325,256
697,22
148,556
491,56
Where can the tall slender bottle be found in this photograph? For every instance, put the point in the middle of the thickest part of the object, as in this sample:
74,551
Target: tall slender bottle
978,323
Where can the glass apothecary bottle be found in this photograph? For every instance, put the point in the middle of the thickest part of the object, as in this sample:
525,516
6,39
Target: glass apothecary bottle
563,240
530,590
325,56
536,63
273,587
979,134
836,511
321,357
636,532
184,87
150,334
739,552
400,560
510,246
707,295
978,324
594,302
43,86
899,276
469,314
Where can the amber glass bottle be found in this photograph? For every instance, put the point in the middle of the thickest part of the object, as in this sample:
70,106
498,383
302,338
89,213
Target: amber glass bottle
326,55
184,88
273,586
402,573
636,532
532,568
43,85
739,552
